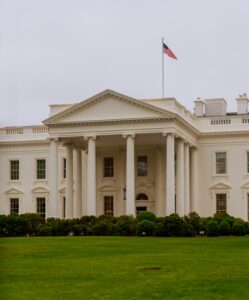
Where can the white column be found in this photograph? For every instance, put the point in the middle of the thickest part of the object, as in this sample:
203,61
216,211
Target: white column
78,184
53,179
91,177
186,180
193,180
130,176
180,177
69,182
159,184
170,174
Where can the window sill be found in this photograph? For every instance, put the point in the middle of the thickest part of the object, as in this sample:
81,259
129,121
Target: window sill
220,176
14,181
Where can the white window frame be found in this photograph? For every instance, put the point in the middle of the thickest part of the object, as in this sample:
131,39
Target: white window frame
214,164
19,170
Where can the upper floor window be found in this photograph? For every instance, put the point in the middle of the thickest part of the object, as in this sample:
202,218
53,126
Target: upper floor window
221,162
41,169
108,167
41,207
142,165
64,169
247,164
221,203
14,170
14,206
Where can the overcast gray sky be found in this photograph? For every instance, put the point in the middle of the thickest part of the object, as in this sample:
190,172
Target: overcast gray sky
64,51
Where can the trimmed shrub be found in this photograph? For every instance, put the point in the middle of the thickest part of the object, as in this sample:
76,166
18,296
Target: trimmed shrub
212,228
125,226
194,220
224,228
33,223
103,227
45,230
239,228
173,225
145,228
146,215
187,230
3,222
247,227
160,229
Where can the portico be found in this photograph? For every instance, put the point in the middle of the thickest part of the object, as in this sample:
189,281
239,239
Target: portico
145,146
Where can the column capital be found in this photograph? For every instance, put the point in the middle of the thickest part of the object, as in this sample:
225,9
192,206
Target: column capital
169,133
53,139
126,135
90,137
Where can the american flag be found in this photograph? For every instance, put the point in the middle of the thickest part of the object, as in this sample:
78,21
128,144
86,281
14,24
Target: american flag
169,52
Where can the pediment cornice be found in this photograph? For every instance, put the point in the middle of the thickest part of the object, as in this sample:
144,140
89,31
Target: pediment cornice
58,118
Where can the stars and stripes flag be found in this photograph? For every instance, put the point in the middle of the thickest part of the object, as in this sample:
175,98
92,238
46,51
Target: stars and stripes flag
168,51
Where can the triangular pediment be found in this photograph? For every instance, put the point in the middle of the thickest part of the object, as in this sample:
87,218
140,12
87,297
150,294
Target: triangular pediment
13,191
108,106
221,186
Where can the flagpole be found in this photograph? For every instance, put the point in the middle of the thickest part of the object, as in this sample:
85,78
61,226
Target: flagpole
162,70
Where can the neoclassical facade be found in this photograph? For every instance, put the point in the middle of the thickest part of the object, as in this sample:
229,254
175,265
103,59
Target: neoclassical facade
113,154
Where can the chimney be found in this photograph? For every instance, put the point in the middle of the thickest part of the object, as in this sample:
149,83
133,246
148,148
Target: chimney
199,107
242,104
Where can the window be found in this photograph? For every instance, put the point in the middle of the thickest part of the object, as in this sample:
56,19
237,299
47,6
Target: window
41,207
221,162
108,205
140,208
108,167
64,207
14,170
64,169
247,162
142,196
14,206
142,165
221,203
41,168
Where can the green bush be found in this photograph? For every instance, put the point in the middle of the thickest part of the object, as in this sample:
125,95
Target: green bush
173,225
145,228
212,228
125,226
160,229
45,230
194,220
146,215
239,228
33,223
103,227
224,228
187,230
3,222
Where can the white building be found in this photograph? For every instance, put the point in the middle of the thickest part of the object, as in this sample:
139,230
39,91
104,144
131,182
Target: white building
115,154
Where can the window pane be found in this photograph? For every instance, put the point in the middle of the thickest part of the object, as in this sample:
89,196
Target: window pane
142,166
108,205
14,206
64,208
14,169
41,168
108,167
221,203
41,207
221,163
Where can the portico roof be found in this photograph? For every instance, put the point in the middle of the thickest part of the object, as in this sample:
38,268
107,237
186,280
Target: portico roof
108,106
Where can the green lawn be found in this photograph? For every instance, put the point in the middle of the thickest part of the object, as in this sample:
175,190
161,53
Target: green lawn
124,268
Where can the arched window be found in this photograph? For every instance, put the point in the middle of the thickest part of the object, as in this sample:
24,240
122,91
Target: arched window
142,196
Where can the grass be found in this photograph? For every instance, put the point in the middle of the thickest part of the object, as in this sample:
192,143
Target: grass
124,268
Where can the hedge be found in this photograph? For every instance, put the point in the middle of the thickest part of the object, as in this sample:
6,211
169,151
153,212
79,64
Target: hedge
145,224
